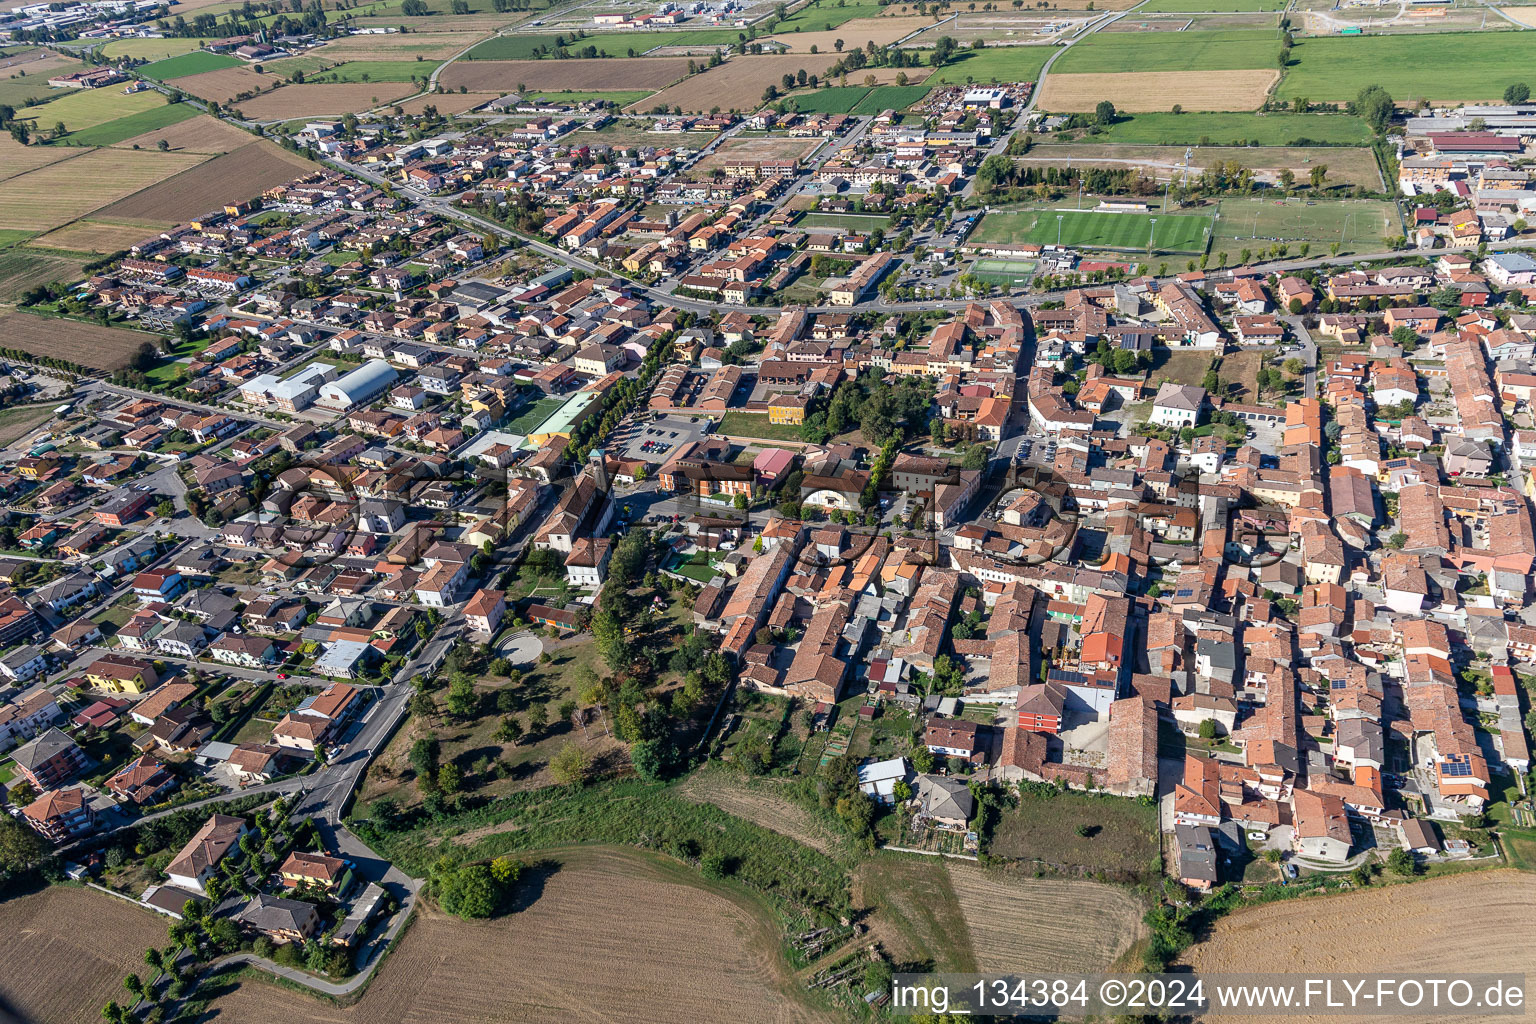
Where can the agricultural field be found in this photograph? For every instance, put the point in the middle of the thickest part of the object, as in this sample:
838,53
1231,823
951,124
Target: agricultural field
858,99
92,236
448,102
70,948
607,44
757,802
504,76
194,63
223,86
822,15
687,950
22,269
1432,924
1230,129
16,159
1088,229
1009,28
293,101
618,97
200,134
27,77
374,71
1019,924
104,348
771,148
1201,6
1356,225
891,97
994,64
1335,69
738,84
1151,91
429,45
151,49
1123,837
855,33
114,132
56,194
237,175
86,108
1121,52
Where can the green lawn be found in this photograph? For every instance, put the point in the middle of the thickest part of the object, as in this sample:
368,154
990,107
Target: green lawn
755,424
151,49
836,100
1090,229
890,97
820,15
608,44
1236,130
621,97
375,71
844,221
1256,223
994,64
1477,66
1122,839
194,63
535,414
1115,52
113,132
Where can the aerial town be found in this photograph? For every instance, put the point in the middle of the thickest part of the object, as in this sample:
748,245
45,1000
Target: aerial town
846,489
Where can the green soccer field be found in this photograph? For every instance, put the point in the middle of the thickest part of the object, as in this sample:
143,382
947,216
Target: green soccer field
1257,223
1090,229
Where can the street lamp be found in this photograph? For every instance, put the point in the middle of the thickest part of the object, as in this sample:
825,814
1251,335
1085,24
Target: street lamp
1151,237
1059,217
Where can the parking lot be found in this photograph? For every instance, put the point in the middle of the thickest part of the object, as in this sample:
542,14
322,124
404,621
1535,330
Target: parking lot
655,441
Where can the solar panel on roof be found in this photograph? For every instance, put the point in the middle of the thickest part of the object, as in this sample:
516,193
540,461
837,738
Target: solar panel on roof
1458,769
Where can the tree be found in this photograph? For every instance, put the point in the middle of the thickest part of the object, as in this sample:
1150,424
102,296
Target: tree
1318,174
450,778
653,759
741,501
1104,112
463,701
571,766
1401,862
1208,729
1519,92
538,718
1375,105
975,457
509,731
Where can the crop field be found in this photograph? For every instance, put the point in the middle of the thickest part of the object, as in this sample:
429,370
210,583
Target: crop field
22,269
105,348
224,85
686,951
1019,924
1118,52
607,44
1233,129
54,195
28,78
1200,6
1436,925
237,175
891,97
1336,68
855,33
92,236
758,803
1151,91
821,15
87,107
430,45
194,63
16,159
738,84
313,100
200,134
69,949
1090,229
994,64
504,76
114,132
151,49
836,100
618,97
1357,225
375,71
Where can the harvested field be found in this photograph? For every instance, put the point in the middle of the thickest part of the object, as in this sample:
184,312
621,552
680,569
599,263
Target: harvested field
89,236
27,77
237,175
1470,922
105,348
201,134
1346,165
758,804
224,85
18,420
69,950
738,83
917,917
293,101
1144,91
1122,53
686,951
448,103
18,159
756,149
54,195
431,45
880,31
113,132
1020,924
503,76
22,269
